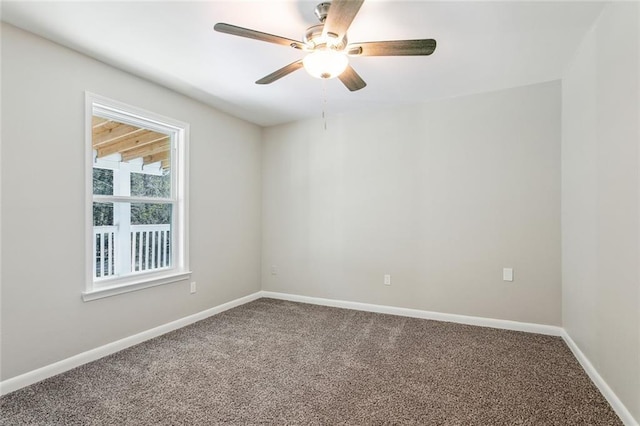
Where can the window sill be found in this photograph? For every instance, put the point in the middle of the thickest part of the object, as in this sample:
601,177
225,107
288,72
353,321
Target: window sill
102,292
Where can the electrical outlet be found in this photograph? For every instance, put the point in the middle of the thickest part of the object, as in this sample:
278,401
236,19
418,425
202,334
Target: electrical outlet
387,279
274,270
193,287
507,274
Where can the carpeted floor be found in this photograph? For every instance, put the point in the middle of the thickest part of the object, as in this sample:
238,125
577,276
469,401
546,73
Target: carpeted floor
277,362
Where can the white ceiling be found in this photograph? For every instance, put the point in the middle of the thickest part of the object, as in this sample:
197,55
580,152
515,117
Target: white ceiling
482,46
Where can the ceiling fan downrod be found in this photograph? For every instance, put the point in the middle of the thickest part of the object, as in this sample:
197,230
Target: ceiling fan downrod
322,10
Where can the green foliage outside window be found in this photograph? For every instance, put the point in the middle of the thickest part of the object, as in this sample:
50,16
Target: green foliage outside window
143,185
102,185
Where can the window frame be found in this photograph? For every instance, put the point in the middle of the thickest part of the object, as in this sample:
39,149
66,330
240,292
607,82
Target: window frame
179,131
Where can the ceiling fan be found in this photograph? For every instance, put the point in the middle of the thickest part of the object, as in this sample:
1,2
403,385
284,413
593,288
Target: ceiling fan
327,47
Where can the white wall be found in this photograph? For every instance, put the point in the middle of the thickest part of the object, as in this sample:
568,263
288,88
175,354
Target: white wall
441,196
43,317
601,198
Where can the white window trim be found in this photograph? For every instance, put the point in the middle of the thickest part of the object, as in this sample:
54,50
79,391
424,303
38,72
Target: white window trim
180,186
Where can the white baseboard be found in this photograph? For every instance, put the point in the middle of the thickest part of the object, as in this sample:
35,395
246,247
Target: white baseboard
67,364
416,313
597,379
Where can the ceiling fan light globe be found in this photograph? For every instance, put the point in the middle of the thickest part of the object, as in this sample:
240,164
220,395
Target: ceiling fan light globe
325,64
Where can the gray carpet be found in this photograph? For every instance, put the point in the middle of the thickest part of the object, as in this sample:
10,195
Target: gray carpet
277,362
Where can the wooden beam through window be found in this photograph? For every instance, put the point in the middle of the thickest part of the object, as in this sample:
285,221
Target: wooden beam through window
114,133
161,145
131,142
153,158
139,140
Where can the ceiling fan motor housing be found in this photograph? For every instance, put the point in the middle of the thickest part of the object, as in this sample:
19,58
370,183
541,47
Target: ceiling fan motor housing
314,39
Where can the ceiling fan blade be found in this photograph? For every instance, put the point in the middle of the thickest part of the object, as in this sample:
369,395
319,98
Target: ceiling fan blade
276,75
393,48
351,79
341,14
256,35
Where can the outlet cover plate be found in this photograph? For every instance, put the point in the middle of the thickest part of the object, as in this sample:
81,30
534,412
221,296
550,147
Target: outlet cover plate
507,274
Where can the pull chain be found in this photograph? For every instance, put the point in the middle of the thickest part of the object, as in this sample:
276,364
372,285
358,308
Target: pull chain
324,104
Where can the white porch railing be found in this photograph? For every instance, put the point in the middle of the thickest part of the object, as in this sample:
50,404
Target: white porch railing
150,249
104,241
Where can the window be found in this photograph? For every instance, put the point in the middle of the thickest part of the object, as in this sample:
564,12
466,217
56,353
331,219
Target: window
136,199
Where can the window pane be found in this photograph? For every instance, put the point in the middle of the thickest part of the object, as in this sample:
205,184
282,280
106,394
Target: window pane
102,214
102,181
147,185
151,214
130,238
105,241
142,153
150,236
